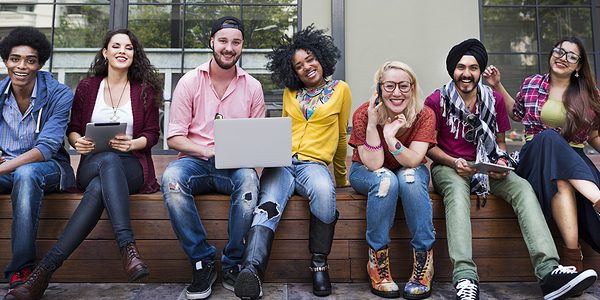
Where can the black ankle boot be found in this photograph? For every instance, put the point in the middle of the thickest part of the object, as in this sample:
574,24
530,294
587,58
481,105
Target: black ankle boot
256,255
319,243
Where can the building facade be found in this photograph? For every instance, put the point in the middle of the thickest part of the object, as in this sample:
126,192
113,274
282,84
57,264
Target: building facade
518,34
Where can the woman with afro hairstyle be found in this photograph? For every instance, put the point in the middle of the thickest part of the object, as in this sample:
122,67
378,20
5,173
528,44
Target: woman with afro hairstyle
123,87
319,108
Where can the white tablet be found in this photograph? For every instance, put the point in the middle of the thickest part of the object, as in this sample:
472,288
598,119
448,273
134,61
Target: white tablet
102,133
484,167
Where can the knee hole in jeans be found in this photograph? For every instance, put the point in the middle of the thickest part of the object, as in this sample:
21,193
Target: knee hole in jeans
385,181
269,208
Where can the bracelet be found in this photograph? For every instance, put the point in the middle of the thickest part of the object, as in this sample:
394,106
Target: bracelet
399,150
371,148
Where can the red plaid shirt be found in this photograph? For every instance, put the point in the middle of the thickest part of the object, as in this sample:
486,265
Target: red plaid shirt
529,102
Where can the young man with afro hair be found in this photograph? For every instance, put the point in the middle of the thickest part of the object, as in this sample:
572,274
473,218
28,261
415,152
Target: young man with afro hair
34,112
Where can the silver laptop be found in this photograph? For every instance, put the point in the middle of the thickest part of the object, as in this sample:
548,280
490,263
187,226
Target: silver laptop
253,142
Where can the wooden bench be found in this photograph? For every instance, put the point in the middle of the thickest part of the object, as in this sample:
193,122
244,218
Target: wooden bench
498,247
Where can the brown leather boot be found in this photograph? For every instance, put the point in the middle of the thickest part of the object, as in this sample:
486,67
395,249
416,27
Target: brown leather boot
133,264
34,286
572,257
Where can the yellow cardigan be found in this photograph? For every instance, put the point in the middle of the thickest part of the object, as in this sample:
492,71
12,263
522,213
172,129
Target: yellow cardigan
322,138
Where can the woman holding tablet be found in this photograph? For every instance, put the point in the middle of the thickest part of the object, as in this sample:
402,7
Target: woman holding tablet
560,113
123,87
319,108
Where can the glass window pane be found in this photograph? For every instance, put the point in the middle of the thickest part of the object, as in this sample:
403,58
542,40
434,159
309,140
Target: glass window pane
564,2
556,23
508,2
52,1
514,69
198,21
157,26
220,2
273,95
80,26
155,1
39,16
293,2
520,22
264,25
592,63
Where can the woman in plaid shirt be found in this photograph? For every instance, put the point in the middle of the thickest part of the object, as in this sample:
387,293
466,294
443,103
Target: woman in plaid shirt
560,113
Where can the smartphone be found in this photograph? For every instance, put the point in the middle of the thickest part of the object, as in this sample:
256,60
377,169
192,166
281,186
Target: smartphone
378,99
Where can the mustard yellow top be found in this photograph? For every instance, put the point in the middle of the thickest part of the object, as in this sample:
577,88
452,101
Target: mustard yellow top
321,138
554,115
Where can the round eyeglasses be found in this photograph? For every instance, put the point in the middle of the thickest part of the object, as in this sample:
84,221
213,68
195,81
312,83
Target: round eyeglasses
390,86
571,57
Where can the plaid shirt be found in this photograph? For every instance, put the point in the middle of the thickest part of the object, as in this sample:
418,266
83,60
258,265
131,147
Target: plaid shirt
529,102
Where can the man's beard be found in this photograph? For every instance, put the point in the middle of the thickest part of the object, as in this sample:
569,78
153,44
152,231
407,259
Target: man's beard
458,83
220,62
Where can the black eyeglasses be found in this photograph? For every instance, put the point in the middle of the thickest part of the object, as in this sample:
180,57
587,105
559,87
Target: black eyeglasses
572,57
390,86
474,122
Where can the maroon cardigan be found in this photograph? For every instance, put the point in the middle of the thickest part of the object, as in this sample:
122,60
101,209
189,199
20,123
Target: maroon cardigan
145,122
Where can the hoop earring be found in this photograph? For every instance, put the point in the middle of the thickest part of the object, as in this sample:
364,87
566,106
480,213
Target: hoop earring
105,60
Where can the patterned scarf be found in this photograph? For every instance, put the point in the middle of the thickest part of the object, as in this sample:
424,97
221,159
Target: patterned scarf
479,128
311,99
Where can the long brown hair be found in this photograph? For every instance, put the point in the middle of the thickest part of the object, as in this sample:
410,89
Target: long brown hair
581,98
141,70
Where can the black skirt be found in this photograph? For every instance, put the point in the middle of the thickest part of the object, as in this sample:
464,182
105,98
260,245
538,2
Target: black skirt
547,158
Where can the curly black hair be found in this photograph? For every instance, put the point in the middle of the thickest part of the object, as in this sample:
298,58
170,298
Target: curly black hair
26,36
310,39
141,70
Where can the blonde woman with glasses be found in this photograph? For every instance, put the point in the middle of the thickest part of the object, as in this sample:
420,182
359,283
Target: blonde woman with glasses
391,134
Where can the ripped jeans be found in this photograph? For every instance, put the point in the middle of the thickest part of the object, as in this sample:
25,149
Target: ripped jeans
383,188
311,180
189,176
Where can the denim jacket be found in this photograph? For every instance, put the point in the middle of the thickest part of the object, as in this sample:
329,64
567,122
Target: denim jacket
51,108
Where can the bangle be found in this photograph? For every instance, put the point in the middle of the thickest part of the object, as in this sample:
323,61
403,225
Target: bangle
399,150
371,148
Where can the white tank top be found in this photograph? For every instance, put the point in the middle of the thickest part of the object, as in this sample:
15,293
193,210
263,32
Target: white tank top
104,114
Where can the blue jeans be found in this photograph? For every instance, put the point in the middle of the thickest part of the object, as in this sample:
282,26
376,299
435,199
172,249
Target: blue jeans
189,176
108,179
383,188
27,185
311,180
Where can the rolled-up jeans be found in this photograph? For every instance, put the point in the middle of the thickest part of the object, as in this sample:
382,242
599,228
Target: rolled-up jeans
384,188
189,176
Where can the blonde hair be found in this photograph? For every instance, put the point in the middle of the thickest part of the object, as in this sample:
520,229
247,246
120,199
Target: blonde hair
416,101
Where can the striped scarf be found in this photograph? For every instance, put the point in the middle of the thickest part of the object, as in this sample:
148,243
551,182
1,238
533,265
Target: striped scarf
484,126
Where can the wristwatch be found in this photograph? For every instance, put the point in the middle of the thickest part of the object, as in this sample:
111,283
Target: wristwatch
399,148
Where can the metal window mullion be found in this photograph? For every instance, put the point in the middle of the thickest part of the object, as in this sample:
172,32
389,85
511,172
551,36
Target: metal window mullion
118,14
596,39
338,32
538,35
52,35
183,16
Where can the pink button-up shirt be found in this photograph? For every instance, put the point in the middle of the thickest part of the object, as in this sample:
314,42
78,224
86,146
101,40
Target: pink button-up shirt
195,104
